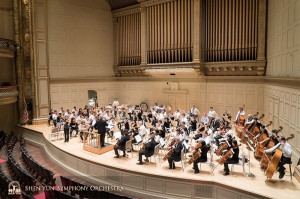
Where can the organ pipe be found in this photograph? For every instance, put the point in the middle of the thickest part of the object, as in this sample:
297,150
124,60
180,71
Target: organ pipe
231,30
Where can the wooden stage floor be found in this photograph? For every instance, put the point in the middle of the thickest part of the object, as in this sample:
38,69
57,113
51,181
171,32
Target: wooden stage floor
274,188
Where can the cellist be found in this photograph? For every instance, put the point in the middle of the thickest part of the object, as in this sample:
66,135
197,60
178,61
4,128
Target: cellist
202,157
176,156
234,159
286,154
121,144
149,150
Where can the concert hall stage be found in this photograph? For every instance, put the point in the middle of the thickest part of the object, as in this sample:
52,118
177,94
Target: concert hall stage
157,181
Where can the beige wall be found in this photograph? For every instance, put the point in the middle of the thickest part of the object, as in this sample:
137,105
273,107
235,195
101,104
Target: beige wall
283,38
282,105
80,38
6,19
222,96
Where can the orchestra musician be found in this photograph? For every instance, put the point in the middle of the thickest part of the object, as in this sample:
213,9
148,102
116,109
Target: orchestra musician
82,128
176,156
215,124
228,134
240,112
286,154
115,102
54,117
211,113
194,111
227,115
234,159
184,131
121,144
193,124
66,130
74,127
202,157
101,126
149,150
205,119
50,116
142,129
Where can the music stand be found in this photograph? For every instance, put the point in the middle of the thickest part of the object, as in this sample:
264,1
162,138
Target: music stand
252,149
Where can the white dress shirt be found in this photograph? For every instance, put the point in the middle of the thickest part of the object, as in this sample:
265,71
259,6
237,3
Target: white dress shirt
115,103
205,119
54,116
229,133
143,130
211,113
249,122
194,111
286,149
239,113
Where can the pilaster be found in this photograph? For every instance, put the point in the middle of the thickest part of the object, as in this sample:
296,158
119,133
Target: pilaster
261,44
143,36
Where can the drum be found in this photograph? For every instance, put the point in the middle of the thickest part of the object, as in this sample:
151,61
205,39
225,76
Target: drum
169,108
144,106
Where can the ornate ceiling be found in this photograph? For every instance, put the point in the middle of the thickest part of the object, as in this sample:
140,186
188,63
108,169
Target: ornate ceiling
117,4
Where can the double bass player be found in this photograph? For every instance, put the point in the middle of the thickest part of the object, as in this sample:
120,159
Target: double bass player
286,154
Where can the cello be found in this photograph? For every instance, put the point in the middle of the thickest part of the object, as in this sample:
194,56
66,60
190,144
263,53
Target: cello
272,167
196,153
260,143
266,158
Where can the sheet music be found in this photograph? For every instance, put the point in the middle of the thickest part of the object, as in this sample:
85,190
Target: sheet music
110,126
185,144
117,134
138,138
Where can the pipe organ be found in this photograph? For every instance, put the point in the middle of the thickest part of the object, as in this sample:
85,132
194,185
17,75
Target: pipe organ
169,32
231,30
129,40
215,37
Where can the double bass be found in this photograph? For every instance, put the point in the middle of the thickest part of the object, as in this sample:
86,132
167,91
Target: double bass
260,144
266,157
241,119
272,167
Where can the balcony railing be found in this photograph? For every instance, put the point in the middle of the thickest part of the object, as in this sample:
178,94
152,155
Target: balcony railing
8,94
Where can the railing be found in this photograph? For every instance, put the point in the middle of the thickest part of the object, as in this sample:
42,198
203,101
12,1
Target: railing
7,48
91,142
8,94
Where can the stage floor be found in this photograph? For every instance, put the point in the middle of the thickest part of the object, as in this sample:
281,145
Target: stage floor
274,188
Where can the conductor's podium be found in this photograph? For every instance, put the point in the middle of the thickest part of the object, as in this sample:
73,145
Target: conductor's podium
91,143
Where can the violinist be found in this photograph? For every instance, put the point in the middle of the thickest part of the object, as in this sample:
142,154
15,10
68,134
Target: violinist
66,130
193,124
135,132
149,150
74,127
215,124
234,159
167,123
176,156
121,144
228,131
126,124
286,154
185,133
202,157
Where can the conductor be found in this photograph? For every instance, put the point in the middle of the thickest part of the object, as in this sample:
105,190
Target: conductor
101,126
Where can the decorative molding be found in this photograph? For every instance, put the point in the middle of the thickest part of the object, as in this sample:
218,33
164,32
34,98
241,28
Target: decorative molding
8,95
131,73
127,12
243,68
19,62
154,2
198,71
261,32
